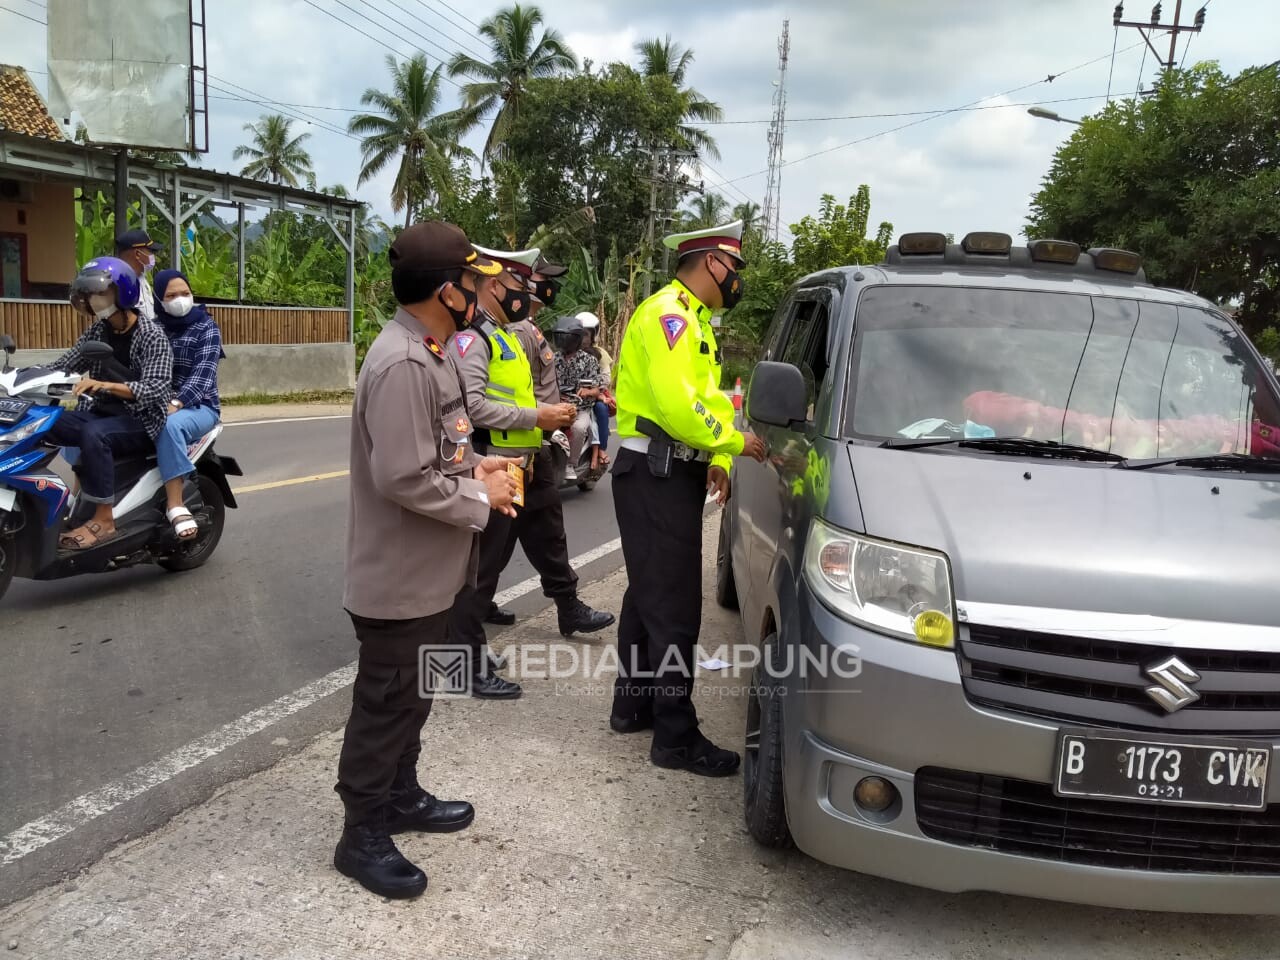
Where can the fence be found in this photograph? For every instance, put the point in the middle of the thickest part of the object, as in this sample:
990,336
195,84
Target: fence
53,325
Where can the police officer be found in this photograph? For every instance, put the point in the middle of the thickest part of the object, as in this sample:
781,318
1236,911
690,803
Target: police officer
419,496
677,441
498,381
545,283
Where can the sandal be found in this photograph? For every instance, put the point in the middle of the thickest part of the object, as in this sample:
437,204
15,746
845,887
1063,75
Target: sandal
77,541
184,524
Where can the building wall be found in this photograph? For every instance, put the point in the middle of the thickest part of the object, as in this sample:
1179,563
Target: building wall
50,229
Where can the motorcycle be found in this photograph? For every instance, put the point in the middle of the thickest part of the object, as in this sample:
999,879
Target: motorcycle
582,475
36,506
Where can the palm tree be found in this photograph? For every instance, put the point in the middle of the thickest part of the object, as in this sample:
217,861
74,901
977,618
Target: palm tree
370,227
274,155
707,211
501,82
666,58
749,213
407,126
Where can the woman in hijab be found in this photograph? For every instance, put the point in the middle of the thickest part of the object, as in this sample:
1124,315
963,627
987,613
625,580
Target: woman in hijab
194,409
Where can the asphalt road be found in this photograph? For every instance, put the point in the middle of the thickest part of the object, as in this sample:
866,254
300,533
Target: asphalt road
104,674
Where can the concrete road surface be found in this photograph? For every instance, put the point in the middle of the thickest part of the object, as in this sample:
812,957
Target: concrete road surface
105,675
581,849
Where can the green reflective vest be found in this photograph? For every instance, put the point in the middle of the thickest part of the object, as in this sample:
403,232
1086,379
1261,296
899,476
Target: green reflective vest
511,383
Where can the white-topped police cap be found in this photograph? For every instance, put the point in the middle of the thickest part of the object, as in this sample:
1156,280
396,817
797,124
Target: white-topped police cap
521,261
727,238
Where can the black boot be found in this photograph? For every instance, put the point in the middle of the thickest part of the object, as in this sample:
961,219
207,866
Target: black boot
577,617
412,808
490,686
701,757
631,723
367,854
498,616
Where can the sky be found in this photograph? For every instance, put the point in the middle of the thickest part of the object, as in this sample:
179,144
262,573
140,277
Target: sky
973,169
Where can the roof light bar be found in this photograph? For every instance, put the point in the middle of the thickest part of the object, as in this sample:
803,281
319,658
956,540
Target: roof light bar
987,242
1054,251
921,244
1119,261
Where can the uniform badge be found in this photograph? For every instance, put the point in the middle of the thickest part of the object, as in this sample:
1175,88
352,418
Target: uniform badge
459,454
683,299
464,342
548,357
462,425
674,326
433,346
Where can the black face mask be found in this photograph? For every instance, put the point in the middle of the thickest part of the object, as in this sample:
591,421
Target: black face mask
461,318
730,287
515,304
546,292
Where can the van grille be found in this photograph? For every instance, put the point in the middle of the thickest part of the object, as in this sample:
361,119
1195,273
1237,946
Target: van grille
1019,817
1102,683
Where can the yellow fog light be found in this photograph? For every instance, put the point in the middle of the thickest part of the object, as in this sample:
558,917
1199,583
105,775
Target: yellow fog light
934,628
875,794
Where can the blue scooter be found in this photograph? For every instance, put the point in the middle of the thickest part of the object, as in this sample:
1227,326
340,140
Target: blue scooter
36,506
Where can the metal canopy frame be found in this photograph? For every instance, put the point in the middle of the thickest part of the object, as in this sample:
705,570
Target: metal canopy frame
179,193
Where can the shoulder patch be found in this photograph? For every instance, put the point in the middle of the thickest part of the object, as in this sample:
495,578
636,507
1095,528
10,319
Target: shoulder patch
434,346
673,327
464,342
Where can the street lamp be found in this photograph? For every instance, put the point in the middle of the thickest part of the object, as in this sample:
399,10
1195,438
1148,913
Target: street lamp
1044,114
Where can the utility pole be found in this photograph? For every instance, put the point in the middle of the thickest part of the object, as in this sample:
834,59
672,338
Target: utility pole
1150,29
122,193
772,213
664,182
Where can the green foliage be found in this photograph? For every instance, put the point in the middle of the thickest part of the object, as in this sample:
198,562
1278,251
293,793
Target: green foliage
1189,178
274,155
1268,343
838,236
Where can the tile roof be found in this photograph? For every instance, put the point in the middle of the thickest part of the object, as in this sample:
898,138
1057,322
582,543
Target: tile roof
22,109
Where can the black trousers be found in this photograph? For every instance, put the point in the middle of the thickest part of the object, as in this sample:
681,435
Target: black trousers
384,732
660,521
539,528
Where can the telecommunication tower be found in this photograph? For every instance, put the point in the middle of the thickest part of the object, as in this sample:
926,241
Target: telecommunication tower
773,196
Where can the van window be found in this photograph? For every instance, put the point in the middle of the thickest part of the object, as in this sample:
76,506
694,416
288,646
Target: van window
1133,377
806,346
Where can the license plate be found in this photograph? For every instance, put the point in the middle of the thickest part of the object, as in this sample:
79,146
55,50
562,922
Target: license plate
1218,773
11,411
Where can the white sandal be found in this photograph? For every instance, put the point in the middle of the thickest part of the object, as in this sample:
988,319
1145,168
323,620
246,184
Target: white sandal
184,524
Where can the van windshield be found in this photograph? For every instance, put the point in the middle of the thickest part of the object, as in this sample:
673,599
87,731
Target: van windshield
1129,377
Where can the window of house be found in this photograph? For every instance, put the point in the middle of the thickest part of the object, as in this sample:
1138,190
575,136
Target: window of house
13,265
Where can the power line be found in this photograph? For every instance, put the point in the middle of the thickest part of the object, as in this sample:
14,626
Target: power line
401,23
1112,71
352,26
905,113
253,96
454,9
24,16
467,34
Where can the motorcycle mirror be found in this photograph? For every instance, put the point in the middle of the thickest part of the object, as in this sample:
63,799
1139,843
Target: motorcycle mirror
9,347
97,350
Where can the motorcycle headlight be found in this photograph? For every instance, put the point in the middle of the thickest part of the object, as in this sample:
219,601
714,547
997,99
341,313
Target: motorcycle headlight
900,591
23,432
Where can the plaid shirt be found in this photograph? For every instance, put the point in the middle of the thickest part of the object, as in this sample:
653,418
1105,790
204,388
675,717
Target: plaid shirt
196,352
151,361
580,366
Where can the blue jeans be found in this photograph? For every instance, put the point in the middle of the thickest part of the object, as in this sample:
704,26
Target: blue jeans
602,422
98,441
182,429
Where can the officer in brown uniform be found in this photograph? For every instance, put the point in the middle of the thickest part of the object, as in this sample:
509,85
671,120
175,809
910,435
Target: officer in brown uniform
420,495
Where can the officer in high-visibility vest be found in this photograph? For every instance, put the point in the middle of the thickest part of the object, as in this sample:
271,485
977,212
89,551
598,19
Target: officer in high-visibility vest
497,378
677,443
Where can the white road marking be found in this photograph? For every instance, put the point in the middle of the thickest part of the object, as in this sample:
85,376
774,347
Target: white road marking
71,816
255,423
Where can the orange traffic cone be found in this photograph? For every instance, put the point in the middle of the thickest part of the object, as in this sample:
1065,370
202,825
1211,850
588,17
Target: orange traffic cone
737,394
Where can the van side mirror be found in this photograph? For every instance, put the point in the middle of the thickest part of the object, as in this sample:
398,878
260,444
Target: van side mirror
777,395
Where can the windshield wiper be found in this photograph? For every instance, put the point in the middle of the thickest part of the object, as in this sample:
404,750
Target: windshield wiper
1017,446
1214,461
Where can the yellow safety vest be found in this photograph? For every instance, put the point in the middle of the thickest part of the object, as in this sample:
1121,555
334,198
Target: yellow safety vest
668,370
511,383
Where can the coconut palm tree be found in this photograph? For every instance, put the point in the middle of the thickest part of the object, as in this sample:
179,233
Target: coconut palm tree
749,213
708,210
666,58
407,126
274,155
518,57
370,228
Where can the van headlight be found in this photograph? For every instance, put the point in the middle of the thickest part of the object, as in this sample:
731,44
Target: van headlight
901,591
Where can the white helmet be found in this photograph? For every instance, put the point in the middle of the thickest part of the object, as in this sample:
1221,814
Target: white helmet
589,320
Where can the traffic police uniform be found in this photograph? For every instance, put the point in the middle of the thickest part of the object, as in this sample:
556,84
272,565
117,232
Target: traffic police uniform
497,378
668,373
415,510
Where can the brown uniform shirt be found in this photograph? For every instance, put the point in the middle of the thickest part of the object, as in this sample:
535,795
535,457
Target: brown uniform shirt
541,359
469,351
415,507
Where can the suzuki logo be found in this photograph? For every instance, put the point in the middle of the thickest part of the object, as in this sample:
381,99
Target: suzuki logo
1174,678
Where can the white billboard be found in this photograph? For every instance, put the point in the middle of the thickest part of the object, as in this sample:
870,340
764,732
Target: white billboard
125,68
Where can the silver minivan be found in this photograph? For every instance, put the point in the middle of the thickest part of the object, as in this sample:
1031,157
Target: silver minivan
1038,500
